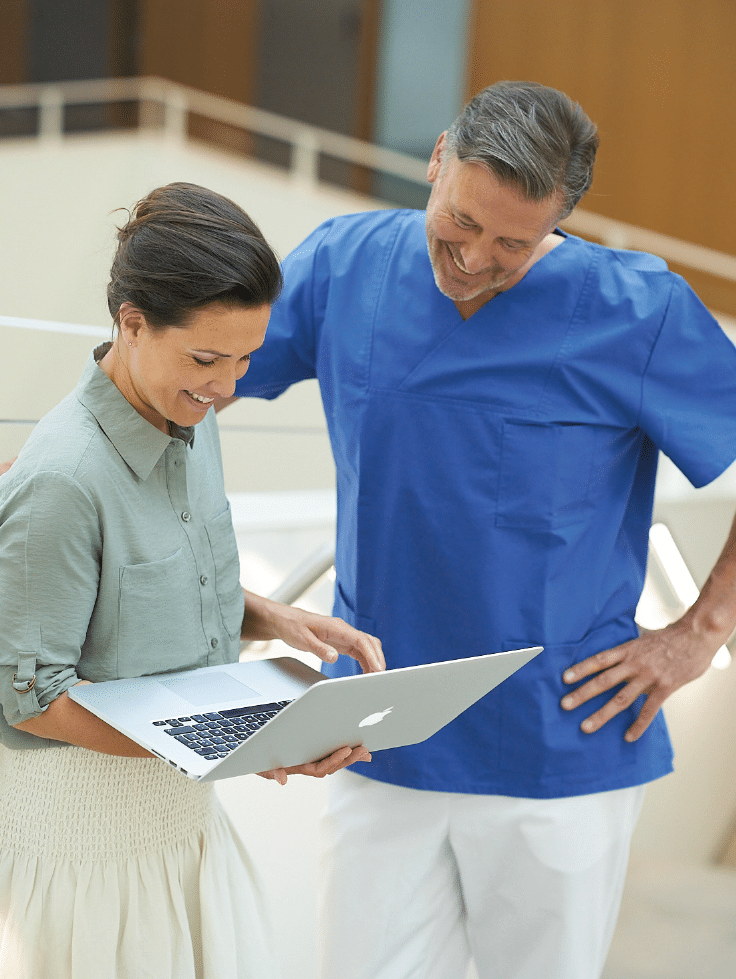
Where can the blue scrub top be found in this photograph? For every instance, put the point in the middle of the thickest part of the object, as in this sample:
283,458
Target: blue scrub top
495,476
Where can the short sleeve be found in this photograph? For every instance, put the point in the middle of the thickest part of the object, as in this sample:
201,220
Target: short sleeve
289,353
688,406
50,552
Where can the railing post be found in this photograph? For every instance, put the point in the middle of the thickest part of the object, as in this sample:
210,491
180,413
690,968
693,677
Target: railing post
305,158
175,115
149,113
51,114
615,238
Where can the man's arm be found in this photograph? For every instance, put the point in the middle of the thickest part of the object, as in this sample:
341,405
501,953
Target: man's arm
664,660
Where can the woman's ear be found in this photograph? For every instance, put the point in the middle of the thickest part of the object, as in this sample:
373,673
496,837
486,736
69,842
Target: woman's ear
130,322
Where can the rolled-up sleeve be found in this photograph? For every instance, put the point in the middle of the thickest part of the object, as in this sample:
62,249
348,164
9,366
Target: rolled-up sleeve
50,553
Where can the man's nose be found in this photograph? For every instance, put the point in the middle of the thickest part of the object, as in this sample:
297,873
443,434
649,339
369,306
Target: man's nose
476,257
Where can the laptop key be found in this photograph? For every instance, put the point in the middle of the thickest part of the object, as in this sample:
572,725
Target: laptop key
255,709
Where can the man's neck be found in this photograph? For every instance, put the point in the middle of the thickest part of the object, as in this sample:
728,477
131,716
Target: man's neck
467,307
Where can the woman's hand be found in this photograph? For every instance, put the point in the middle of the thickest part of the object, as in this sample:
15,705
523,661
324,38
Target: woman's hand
322,635
318,769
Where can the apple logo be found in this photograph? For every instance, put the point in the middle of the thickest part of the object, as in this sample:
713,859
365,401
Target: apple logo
375,718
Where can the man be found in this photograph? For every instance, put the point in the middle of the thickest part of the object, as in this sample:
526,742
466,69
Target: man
496,394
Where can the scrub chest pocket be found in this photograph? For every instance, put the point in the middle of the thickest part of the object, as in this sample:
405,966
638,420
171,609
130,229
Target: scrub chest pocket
552,474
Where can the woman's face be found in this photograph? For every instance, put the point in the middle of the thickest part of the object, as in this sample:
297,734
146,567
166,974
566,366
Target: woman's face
175,373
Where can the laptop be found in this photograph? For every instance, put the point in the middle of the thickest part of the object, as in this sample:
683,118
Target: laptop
236,719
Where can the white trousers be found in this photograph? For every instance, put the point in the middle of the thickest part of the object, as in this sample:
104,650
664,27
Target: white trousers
416,883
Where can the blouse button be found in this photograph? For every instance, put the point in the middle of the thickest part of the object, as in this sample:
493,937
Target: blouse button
214,643
203,579
186,516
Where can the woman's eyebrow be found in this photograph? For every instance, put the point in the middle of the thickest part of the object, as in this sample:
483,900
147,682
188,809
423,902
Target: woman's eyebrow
216,353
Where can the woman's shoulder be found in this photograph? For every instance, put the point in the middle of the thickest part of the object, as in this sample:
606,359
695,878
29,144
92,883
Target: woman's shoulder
59,446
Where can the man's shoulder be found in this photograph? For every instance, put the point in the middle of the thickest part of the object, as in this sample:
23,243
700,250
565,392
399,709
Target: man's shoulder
637,262
351,232
621,275
622,260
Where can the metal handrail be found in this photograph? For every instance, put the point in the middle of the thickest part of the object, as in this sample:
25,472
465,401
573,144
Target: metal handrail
308,143
305,575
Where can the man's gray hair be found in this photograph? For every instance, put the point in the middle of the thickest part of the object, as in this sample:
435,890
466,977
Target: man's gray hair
530,136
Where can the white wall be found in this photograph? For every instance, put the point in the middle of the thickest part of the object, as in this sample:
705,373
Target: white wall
56,207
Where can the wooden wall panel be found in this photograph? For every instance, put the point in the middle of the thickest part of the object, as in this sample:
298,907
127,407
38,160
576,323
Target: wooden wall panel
206,44
14,42
659,80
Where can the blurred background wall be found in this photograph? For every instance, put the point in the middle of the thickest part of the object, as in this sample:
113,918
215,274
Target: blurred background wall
657,77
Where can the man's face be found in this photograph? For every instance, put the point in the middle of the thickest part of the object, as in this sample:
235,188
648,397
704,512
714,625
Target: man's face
482,234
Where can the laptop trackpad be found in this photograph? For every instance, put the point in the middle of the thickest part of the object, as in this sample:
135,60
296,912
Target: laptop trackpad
209,689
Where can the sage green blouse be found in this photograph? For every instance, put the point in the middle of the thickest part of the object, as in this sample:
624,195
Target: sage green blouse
117,552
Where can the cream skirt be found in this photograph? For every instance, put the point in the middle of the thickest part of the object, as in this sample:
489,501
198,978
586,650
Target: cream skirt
122,868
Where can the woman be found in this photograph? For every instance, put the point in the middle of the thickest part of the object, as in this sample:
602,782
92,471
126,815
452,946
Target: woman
117,559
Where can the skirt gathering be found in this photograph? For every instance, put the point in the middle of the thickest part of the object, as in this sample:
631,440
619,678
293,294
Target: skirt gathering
122,868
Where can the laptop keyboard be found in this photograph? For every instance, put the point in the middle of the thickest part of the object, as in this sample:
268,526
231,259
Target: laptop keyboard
216,734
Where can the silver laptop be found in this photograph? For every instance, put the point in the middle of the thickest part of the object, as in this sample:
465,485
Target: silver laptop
222,721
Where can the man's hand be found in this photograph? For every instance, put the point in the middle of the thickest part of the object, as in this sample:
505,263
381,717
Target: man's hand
662,661
4,466
656,664
319,769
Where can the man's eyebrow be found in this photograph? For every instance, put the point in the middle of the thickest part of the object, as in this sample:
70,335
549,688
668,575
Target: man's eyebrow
468,220
463,216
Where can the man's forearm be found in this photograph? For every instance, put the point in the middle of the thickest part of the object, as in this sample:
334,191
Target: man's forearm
713,615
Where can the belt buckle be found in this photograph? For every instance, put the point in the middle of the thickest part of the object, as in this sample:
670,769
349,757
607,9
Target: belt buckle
31,684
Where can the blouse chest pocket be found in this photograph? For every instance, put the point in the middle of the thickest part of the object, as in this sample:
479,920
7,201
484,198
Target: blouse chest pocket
224,548
159,623
545,474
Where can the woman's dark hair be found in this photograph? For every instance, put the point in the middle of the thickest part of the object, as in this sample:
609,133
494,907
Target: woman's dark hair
184,247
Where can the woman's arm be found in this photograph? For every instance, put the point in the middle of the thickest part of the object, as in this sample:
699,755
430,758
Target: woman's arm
65,720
